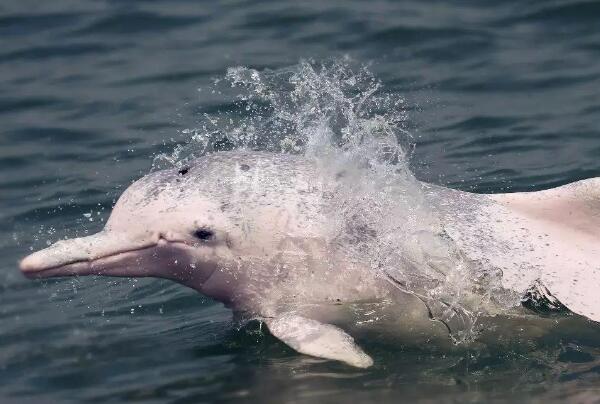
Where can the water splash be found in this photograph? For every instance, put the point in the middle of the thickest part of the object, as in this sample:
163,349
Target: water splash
306,109
339,116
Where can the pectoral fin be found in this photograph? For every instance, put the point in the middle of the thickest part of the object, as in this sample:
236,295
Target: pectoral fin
313,338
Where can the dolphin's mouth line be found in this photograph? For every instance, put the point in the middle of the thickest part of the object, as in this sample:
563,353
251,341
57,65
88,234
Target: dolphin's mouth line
160,243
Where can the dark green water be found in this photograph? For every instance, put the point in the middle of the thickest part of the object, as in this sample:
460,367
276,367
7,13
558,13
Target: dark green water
501,96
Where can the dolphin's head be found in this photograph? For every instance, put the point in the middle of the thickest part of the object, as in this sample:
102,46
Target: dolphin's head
211,226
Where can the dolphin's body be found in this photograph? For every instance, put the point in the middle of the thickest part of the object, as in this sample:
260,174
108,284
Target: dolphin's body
259,233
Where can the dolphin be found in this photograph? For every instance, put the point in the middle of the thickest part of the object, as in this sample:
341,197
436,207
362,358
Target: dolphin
260,232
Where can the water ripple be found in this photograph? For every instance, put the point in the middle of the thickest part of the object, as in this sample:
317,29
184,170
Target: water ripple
137,22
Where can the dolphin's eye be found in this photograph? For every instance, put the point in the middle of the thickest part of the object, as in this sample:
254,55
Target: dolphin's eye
204,234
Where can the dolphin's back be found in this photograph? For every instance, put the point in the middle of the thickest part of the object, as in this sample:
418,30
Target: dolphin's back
568,219
551,237
575,205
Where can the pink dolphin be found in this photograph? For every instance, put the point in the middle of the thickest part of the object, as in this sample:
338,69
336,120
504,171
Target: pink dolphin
254,231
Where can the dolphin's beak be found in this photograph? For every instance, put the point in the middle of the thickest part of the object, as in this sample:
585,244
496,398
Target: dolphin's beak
98,254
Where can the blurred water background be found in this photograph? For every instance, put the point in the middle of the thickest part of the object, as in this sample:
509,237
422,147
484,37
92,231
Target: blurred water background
499,96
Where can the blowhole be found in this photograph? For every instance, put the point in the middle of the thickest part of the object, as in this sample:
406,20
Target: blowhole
244,167
183,171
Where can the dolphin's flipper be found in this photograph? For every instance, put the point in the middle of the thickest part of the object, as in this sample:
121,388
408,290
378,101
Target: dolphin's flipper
314,338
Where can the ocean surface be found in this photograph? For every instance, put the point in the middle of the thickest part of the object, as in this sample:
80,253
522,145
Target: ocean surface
498,96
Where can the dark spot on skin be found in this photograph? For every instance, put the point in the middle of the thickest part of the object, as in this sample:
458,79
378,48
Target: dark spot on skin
204,234
184,171
244,167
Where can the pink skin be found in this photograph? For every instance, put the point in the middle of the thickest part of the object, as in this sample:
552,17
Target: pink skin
550,236
564,224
